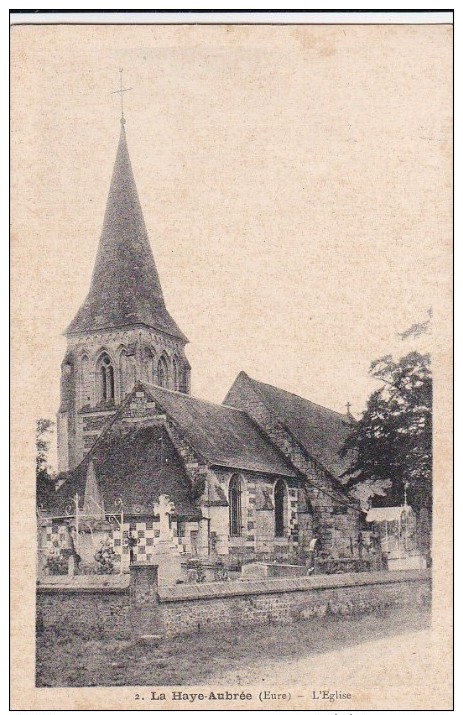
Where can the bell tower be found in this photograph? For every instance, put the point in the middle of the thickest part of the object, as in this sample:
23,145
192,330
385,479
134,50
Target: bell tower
123,331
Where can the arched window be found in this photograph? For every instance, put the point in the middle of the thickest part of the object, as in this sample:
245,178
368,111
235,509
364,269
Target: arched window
85,383
106,378
150,365
163,372
124,373
234,506
67,381
185,379
281,508
123,369
175,373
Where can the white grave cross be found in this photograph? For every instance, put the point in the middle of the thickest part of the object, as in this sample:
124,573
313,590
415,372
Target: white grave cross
164,508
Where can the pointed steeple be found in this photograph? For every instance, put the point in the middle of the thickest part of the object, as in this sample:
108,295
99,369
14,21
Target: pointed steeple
125,289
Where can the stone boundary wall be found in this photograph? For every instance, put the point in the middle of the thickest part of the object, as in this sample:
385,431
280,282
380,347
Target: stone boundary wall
196,608
224,589
124,612
89,613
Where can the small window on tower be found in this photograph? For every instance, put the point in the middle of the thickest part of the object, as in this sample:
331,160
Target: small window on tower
150,365
163,373
106,378
175,373
85,383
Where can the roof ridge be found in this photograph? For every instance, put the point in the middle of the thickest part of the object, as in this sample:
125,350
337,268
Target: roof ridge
150,385
246,421
259,387
293,394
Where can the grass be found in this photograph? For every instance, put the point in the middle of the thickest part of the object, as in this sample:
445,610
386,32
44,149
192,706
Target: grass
65,660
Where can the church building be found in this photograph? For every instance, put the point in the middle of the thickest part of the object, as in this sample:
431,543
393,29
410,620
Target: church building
257,476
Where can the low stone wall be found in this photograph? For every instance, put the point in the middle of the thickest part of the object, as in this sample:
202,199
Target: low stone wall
88,613
143,607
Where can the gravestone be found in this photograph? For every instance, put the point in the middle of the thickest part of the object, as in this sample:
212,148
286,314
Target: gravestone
167,551
163,509
254,571
71,565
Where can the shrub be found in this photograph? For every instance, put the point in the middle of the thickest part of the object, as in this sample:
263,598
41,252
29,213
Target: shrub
331,565
57,564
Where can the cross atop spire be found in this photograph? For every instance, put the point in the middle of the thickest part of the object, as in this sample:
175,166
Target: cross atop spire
121,92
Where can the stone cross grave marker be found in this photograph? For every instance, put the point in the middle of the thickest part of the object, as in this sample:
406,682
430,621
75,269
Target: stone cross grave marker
164,508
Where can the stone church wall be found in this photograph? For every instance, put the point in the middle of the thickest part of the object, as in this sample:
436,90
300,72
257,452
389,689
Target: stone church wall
258,519
336,525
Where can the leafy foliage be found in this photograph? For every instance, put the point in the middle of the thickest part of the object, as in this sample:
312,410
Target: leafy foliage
57,564
195,571
365,491
43,472
393,439
220,571
418,328
44,428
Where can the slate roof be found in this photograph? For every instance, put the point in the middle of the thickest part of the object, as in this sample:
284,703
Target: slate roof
125,287
223,435
319,430
128,467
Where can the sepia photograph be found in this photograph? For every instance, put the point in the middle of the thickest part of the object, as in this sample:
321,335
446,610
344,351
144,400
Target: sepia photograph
231,335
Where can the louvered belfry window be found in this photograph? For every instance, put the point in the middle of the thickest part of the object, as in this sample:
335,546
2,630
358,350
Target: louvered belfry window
162,372
85,383
234,505
106,379
175,373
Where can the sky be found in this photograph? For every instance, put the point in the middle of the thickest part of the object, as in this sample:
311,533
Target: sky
295,184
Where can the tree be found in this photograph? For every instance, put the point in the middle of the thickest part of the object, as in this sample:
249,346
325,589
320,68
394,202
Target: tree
392,442
43,472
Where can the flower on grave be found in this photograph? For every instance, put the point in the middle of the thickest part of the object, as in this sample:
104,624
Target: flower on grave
196,569
220,571
105,558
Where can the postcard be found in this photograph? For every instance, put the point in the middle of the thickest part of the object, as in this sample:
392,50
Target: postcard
231,253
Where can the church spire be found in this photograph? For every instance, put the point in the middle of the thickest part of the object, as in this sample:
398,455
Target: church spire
125,289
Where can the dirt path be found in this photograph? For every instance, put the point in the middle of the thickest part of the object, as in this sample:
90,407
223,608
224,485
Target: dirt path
360,665
356,649
388,670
